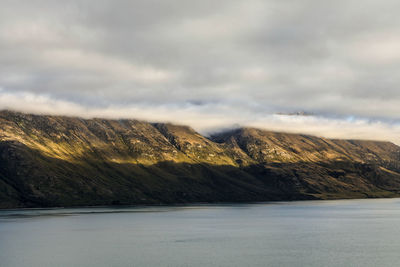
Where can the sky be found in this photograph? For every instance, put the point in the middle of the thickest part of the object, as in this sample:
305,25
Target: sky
209,64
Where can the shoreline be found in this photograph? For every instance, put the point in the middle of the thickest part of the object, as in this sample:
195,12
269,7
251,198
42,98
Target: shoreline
193,204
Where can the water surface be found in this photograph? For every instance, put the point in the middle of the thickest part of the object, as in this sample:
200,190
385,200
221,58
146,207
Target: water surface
308,233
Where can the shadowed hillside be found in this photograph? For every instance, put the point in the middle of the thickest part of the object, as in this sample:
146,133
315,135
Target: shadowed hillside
63,161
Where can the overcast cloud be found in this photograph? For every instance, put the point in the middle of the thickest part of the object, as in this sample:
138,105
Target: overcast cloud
210,64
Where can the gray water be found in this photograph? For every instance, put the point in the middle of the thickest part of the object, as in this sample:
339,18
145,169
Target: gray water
309,233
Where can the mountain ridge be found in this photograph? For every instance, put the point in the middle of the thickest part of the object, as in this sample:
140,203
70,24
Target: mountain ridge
68,161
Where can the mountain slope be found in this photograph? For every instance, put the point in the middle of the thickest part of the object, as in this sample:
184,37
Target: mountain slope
64,161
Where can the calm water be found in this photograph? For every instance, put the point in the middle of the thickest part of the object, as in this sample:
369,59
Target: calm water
312,233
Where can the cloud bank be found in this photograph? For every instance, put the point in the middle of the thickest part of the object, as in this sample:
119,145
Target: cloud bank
209,64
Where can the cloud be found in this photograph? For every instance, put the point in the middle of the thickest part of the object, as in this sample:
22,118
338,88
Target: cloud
212,117
209,64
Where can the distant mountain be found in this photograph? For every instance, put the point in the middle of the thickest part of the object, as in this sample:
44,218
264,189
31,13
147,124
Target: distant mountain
64,161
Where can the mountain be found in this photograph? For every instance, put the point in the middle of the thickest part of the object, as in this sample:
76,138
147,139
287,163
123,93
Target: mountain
65,161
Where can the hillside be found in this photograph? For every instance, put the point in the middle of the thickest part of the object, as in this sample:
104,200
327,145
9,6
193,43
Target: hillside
64,161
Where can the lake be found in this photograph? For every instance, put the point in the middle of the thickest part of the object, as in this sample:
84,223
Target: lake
302,233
